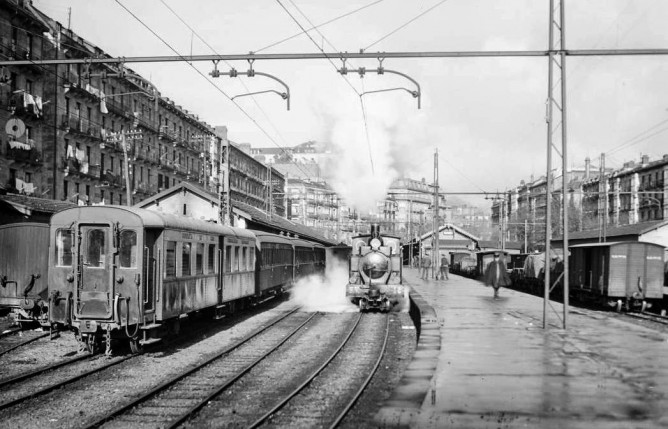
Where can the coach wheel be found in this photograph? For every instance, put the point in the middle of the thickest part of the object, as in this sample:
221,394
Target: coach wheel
135,346
619,305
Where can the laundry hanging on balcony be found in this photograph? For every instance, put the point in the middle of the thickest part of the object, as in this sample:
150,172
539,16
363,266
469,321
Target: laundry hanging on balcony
103,103
19,145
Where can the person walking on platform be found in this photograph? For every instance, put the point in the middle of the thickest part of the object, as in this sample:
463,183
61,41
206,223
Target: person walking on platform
444,268
496,274
426,265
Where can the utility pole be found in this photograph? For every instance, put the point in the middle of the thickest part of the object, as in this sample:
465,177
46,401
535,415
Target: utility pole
435,256
604,188
128,191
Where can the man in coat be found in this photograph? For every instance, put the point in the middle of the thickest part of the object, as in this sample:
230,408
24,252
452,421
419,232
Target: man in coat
426,266
496,274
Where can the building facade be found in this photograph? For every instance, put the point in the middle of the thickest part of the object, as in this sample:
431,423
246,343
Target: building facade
93,134
636,193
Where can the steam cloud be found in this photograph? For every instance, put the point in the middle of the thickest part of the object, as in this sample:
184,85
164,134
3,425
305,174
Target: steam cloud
326,294
362,171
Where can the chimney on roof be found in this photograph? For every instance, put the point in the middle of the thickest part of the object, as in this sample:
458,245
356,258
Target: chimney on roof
644,160
587,167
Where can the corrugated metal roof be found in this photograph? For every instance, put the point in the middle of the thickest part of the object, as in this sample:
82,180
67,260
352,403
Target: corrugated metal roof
634,229
22,202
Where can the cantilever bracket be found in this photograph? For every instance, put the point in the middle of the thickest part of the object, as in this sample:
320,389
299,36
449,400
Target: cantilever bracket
250,73
380,70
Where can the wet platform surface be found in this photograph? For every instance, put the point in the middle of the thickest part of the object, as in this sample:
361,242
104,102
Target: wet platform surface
497,366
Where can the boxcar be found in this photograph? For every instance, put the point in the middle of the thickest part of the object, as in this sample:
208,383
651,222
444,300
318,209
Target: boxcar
620,274
23,271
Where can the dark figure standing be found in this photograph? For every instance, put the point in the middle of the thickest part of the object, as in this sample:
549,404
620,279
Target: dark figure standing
426,265
496,274
445,267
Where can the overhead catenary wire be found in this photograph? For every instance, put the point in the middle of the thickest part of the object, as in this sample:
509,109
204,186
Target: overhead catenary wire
336,68
320,25
203,75
406,24
242,82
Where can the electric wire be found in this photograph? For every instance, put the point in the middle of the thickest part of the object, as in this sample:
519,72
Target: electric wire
242,82
319,25
335,67
204,76
406,24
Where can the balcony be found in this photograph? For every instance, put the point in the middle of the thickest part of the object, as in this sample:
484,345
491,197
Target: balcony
25,105
166,164
143,188
145,122
117,107
24,153
82,169
80,127
166,134
110,179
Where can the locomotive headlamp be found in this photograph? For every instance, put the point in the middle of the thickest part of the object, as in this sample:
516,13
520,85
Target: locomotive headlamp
375,244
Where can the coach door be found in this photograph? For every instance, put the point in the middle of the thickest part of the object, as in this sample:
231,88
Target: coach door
95,286
150,267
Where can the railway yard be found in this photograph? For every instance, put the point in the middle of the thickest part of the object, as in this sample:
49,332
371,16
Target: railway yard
245,372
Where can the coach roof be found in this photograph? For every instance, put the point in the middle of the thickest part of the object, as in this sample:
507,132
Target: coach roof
149,219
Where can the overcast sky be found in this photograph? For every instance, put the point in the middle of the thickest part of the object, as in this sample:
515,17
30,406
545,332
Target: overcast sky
485,116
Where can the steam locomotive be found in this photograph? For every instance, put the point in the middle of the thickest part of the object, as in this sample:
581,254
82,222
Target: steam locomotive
375,273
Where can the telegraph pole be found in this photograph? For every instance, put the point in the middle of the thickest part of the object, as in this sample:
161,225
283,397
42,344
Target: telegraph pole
435,223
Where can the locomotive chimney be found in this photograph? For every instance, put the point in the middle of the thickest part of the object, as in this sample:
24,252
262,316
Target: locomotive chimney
375,230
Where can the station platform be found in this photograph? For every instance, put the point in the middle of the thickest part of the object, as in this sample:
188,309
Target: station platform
484,362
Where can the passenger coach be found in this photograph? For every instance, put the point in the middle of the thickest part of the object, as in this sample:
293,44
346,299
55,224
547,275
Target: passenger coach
123,272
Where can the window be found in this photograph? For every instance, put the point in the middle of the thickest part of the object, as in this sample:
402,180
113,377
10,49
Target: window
64,241
128,249
95,251
185,259
211,259
228,259
199,258
170,259
242,260
235,267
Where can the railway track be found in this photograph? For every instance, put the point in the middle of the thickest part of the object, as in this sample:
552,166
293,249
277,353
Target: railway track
13,340
663,320
220,388
38,387
170,402
336,381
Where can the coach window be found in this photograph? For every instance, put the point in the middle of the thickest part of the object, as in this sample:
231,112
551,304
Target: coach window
199,258
185,259
236,258
243,264
170,259
211,259
128,249
95,250
64,238
228,259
